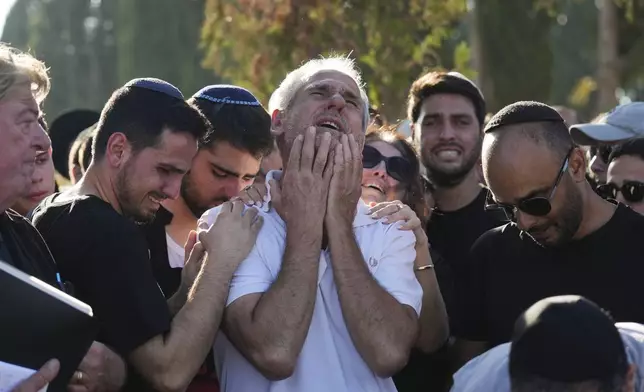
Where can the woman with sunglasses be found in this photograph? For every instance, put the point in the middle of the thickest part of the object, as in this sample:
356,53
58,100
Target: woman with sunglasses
626,175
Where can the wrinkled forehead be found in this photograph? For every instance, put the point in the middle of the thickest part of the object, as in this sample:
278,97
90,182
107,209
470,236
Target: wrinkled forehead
336,80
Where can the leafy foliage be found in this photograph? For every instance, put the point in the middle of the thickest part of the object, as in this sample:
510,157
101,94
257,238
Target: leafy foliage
256,42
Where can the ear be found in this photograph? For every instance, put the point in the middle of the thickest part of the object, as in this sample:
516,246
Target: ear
277,122
118,150
577,165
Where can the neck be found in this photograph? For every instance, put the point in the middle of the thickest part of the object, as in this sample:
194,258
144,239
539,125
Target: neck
596,213
98,182
183,220
459,196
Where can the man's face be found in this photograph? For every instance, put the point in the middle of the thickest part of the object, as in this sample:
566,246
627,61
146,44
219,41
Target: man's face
628,169
218,173
21,138
450,138
522,170
154,174
331,102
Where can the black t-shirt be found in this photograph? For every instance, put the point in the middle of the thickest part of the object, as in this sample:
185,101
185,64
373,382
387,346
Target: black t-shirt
169,278
510,272
105,256
22,246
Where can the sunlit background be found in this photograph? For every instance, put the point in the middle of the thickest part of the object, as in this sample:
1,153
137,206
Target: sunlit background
584,54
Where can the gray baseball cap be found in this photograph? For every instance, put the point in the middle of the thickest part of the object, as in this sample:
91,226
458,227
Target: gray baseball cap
622,123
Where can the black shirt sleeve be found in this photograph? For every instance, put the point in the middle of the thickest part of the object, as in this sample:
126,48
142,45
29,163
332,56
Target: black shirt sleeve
469,314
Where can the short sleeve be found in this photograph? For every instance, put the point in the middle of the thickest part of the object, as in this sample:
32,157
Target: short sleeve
112,272
395,272
468,313
253,274
485,373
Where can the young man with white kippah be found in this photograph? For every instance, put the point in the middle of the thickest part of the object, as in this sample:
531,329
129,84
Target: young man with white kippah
327,299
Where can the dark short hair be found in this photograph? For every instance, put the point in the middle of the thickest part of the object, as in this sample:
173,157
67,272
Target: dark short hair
142,115
415,191
536,121
444,83
632,147
79,148
245,127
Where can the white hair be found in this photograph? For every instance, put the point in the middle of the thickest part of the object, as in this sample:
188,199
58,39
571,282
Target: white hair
296,79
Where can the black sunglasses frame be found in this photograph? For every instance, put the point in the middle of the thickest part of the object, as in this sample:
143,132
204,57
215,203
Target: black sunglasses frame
535,206
629,190
404,177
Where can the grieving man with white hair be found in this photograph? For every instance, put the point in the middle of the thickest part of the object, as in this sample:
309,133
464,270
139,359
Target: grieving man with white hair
327,300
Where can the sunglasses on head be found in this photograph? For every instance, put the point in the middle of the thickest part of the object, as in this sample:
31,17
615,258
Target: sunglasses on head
398,168
535,206
602,151
632,191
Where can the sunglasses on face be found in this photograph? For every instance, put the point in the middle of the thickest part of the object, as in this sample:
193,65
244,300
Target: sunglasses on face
602,152
535,206
398,168
632,191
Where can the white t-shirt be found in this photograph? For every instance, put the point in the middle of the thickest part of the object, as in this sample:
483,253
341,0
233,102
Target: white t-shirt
489,372
176,253
329,360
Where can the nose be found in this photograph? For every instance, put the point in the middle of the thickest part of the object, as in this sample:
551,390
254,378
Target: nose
39,139
380,170
234,186
447,131
597,166
337,101
525,221
172,188
620,198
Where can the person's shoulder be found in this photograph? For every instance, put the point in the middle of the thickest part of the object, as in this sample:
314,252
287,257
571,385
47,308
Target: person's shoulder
487,372
628,218
270,216
496,235
85,215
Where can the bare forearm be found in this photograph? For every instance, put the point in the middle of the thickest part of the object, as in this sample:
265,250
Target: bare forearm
178,299
381,328
434,328
281,318
170,362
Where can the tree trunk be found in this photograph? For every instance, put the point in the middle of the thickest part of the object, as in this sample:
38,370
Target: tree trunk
608,62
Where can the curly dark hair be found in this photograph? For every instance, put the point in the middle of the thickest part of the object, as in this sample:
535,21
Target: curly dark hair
414,195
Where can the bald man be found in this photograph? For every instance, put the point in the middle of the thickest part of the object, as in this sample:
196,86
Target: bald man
562,238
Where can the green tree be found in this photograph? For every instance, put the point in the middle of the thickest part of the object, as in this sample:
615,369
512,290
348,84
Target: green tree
255,43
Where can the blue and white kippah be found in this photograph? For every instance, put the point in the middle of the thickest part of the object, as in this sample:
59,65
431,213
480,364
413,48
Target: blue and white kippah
158,85
227,94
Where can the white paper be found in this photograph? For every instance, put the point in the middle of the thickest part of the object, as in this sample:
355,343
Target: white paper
12,375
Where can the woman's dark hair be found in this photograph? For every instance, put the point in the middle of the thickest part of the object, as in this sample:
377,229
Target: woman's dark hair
414,195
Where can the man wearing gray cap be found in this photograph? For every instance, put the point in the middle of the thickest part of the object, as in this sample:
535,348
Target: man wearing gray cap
564,343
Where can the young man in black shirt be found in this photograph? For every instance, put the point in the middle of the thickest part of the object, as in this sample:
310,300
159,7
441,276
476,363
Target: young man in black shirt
626,174
447,112
145,141
563,238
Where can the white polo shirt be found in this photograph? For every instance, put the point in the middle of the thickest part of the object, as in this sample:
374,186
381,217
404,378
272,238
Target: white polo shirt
329,360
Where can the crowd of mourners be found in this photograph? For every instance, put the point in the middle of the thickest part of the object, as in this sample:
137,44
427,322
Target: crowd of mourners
309,246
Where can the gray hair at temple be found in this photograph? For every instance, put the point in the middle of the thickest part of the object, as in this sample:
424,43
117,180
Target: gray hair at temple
296,79
17,67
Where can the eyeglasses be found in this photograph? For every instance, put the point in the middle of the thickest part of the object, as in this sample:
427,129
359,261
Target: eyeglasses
535,206
602,152
632,191
398,168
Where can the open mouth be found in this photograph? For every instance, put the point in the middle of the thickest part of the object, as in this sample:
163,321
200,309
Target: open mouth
374,186
330,125
156,200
